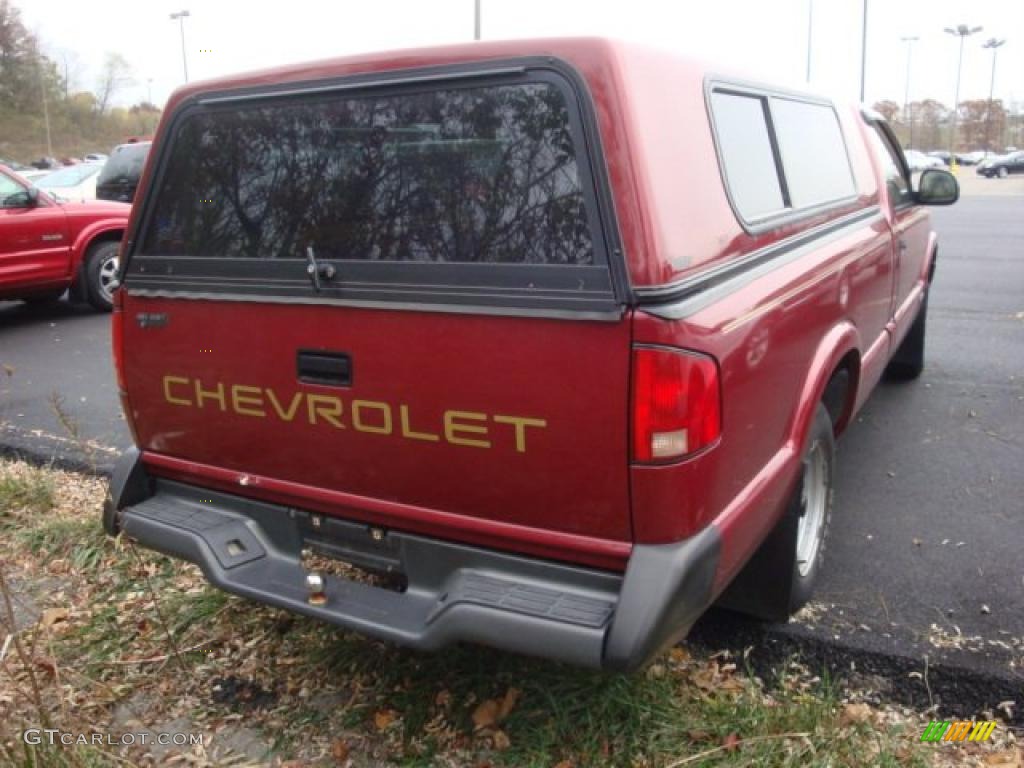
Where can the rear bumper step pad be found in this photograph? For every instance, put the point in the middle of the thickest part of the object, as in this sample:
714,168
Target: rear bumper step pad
453,593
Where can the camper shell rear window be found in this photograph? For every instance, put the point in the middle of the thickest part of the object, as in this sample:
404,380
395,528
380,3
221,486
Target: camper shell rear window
468,192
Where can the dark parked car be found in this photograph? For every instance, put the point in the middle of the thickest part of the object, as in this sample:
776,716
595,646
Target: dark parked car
121,172
1002,166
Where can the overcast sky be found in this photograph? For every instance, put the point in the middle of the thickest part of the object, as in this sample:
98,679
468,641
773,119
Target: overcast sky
766,37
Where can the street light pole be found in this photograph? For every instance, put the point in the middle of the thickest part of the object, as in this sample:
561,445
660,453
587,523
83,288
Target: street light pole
476,19
180,17
994,44
963,32
810,29
908,115
863,49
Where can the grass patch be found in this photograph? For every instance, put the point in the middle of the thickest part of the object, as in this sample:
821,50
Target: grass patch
25,490
143,627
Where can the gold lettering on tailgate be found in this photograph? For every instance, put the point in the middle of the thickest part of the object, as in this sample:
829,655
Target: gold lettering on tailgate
452,428
168,381
358,406
407,431
247,401
520,423
326,407
276,404
466,428
213,394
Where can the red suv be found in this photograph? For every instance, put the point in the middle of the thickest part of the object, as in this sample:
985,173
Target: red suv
555,335
47,247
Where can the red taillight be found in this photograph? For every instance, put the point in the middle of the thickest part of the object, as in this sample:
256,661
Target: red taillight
117,337
677,407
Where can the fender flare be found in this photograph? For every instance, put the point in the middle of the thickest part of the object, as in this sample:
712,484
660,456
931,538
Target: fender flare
842,339
85,238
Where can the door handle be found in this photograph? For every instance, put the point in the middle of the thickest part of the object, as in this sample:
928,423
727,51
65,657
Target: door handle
329,369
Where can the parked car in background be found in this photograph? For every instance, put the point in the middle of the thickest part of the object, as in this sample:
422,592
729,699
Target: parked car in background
120,174
95,157
1002,166
565,358
940,154
919,161
47,247
16,167
971,158
76,183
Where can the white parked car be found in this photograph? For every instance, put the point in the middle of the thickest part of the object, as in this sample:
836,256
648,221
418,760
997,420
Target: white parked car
76,183
919,161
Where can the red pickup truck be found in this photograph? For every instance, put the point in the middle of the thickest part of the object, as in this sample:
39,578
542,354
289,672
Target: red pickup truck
554,335
47,247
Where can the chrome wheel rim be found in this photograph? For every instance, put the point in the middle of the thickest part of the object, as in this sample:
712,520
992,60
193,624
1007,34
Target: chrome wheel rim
813,508
108,277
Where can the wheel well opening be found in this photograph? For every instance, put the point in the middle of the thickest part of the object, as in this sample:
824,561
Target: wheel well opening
841,390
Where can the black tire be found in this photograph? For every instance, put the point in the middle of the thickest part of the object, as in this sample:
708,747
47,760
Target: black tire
908,362
100,264
779,578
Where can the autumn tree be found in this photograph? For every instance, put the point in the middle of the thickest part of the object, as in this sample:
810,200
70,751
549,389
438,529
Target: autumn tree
929,119
981,123
115,75
888,109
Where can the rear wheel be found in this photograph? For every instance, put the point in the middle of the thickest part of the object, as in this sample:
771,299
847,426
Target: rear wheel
779,579
101,275
908,362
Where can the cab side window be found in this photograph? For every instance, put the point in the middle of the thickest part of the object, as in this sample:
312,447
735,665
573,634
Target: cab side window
12,194
896,180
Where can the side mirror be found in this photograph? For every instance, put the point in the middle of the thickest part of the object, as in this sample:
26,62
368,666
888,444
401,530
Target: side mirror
33,196
938,187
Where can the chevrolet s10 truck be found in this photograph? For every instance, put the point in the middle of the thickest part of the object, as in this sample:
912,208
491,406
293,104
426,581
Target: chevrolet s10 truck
555,335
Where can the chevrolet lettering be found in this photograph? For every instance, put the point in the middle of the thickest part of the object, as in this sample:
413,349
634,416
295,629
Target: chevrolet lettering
468,428
564,355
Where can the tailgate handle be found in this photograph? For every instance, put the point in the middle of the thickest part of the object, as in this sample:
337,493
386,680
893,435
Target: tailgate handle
331,369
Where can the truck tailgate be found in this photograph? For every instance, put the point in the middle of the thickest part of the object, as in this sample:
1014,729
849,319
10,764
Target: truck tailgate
512,419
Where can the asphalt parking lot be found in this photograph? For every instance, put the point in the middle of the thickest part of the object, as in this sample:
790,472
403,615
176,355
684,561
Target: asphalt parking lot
924,577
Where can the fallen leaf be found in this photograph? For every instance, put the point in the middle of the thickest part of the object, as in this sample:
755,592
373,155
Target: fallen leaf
855,713
443,699
486,714
383,718
340,750
47,664
53,615
731,742
1011,758
679,655
501,740
508,703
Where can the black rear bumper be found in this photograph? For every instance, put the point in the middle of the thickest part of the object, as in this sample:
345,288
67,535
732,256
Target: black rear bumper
453,592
